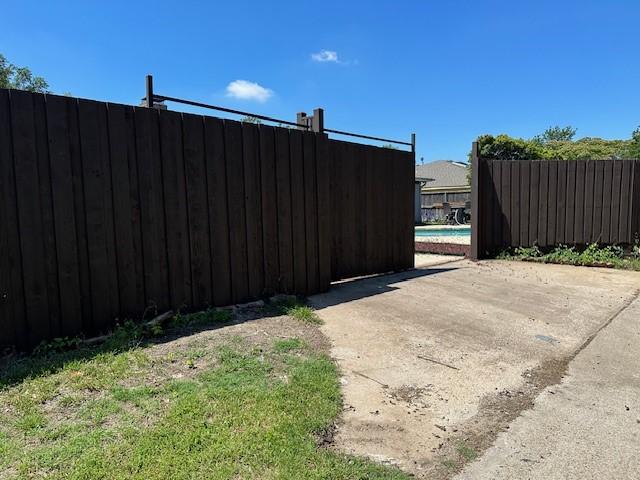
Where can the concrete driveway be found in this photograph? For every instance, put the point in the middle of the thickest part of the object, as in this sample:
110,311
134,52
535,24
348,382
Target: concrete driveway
438,361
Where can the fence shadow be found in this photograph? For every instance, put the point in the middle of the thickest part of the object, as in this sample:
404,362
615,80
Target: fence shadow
356,289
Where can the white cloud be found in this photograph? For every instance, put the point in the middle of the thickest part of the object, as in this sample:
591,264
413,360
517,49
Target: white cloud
325,56
245,90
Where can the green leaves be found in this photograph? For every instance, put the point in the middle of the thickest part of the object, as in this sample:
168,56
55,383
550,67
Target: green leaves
20,78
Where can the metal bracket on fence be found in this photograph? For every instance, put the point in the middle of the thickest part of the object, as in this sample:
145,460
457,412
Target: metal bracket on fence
314,122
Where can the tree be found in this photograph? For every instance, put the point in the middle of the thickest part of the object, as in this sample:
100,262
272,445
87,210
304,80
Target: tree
251,119
633,149
20,78
504,147
556,134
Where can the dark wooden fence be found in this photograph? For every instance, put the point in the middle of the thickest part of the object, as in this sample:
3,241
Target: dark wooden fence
552,202
107,210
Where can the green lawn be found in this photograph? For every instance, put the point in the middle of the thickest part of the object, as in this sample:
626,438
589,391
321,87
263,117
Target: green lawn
230,408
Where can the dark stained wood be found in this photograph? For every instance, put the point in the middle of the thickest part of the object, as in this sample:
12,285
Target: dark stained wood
607,202
615,202
285,228
543,204
109,211
570,215
150,183
323,164
534,207
197,209
125,217
255,253
27,181
99,213
176,215
297,212
579,203
525,212
269,202
635,201
626,192
12,300
552,212
515,203
311,210
237,212
46,206
496,215
58,111
561,202
505,201
588,199
598,202
218,210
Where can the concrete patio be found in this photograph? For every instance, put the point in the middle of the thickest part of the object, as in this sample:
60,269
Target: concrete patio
437,361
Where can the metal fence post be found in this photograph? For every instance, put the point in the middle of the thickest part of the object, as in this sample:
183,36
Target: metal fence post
317,121
476,198
149,97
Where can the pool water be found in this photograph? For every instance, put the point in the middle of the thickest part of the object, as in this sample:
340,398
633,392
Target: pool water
444,232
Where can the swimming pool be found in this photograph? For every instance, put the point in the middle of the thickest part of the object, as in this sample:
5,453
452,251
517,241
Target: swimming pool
443,232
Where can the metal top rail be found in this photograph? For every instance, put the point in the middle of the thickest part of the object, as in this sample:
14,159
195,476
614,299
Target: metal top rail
160,98
309,123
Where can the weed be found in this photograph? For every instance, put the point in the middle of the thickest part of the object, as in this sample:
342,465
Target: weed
466,452
287,345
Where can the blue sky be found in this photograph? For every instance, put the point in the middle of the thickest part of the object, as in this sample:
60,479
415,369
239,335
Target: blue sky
447,70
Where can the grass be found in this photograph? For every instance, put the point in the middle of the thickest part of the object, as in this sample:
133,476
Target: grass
592,255
229,410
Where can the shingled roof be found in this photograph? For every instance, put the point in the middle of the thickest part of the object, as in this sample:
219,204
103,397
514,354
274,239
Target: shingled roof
443,173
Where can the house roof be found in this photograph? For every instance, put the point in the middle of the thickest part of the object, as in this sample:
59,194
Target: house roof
443,173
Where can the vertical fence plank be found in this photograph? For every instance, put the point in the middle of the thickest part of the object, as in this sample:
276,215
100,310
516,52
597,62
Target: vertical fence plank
635,206
495,210
579,221
616,187
126,219
29,216
58,111
176,216
251,150
154,244
12,299
607,202
515,203
552,214
268,189
561,202
525,178
197,209
96,176
323,164
505,201
237,216
46,207
285,227
624,222
598,201
218,210
589,200
297,212
570,215
407,202
534,206
543,204
311,210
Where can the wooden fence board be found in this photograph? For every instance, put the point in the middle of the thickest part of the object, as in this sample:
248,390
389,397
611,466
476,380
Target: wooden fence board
237,217
285,227
268,189
174,183
197,209
311,209
57,115
110,211
561,202
218,210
